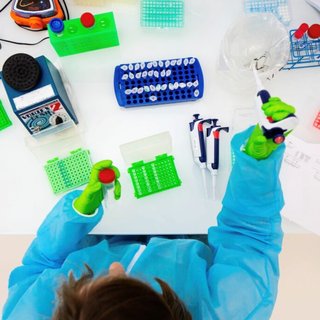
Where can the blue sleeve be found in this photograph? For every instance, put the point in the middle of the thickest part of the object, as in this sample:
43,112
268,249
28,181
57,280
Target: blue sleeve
244,277
60,234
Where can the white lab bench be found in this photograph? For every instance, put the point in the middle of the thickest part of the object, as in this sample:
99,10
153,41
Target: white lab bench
26,196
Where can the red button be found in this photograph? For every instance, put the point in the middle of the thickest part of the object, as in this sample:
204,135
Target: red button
314,31
87,19
107,176
278,139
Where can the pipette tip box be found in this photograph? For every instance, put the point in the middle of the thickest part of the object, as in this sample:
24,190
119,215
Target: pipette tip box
162,13
70,172
154,176
5,122
280,8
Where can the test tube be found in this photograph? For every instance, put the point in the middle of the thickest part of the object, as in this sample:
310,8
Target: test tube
301,30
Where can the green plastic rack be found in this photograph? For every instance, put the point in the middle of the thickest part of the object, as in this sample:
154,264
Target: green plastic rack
5,122
70,172
155,176
76,38
162,13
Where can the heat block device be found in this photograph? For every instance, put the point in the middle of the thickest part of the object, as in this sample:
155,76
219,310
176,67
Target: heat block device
37,94
158,82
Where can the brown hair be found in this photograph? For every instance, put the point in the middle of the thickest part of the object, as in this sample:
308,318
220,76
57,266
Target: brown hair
120,298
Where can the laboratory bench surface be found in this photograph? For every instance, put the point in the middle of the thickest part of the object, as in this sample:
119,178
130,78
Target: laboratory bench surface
26,196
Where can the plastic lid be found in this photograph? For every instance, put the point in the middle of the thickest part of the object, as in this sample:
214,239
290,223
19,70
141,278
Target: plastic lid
314,31
146,148
304,27
254,38
21,72
56,25
87,19
107,176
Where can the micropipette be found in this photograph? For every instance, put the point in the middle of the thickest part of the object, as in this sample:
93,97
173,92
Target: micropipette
212,143
197,135
271,129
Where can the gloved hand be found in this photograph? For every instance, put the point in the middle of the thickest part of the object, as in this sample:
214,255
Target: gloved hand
92,195
258,146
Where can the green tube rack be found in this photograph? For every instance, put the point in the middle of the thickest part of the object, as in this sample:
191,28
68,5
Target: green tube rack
154,176
162,13
70,172
76,38
5,122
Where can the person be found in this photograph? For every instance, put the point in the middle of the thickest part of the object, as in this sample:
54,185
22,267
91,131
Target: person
66,274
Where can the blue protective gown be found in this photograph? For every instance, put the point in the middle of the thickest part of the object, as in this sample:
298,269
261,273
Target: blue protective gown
235,277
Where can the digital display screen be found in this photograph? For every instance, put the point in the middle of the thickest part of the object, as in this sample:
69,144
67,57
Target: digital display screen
34,5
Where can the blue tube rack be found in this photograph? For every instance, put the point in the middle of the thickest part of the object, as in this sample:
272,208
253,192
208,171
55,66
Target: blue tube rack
158,82
304,52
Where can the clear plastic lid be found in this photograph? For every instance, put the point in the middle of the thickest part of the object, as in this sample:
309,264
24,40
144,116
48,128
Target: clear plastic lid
258,39
57,144
146,149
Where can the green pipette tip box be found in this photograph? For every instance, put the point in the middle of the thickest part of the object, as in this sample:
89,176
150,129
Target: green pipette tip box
162,13
154,176
70,172
75,38
5,122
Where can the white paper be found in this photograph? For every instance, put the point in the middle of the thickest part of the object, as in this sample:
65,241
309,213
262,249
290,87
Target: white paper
300,178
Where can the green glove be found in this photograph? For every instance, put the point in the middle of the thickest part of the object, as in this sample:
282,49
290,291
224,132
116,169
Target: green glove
258,146
92,196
